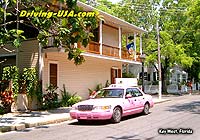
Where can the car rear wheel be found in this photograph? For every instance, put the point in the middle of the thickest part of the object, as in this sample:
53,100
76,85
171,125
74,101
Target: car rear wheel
146,109
117,115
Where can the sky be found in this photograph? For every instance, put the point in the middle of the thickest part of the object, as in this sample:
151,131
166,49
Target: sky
114,1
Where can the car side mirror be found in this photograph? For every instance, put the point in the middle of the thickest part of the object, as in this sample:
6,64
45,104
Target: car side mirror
128,96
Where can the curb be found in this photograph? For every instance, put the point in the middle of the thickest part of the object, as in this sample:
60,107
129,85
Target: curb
162,101
23,126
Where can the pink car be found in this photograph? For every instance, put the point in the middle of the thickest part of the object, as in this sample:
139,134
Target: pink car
112,103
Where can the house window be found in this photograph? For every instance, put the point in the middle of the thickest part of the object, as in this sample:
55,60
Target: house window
53,74
184,77
145,75
178,78
155,76
115,73
149,77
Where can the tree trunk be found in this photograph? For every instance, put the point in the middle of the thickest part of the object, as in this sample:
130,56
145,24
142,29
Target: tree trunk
164,82
164,70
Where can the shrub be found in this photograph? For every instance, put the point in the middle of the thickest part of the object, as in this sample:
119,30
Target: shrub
50,99
6,100
98,87
128,75
74,99
11,73
1,109
29,77
69,99
65,96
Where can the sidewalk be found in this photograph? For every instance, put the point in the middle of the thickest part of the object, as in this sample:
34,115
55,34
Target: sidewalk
21,121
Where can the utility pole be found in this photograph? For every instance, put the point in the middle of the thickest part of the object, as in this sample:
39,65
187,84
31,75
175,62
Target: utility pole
159,62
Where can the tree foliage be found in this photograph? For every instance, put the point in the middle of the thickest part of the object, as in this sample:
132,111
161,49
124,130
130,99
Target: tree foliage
192,37
64,31
179,30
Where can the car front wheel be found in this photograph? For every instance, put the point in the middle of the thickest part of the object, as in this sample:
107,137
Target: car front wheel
117,115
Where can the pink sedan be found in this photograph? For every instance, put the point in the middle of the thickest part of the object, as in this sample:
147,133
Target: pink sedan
113,103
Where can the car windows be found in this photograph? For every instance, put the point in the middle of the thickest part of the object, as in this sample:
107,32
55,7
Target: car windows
113,93
129,91
137,92
134,92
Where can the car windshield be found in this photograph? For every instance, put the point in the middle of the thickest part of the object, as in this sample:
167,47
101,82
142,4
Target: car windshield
110,93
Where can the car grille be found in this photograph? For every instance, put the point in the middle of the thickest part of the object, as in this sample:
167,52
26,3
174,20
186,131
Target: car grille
85,107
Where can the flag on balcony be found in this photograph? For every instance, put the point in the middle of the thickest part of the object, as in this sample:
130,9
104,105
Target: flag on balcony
130,47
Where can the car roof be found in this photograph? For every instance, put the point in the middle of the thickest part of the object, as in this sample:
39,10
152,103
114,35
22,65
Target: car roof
120,86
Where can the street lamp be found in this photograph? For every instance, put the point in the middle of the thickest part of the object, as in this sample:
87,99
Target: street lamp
142,57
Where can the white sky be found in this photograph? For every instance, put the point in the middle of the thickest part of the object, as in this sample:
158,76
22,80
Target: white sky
114,1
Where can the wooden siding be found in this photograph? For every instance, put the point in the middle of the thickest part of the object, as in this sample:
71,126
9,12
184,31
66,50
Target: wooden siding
110,36
28,54
79,78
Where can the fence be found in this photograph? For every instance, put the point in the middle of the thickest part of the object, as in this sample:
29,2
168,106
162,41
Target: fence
173,88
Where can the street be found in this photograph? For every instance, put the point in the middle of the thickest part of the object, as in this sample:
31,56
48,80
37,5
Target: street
173,119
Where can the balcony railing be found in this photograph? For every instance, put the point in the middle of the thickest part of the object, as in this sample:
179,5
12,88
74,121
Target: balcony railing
126,55
110,51
107,50
93,47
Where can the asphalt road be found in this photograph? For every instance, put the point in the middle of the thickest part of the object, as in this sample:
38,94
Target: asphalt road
173,119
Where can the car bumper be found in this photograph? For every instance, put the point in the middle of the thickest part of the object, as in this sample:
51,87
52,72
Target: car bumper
83,115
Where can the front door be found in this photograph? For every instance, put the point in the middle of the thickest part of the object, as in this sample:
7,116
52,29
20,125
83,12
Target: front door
115,73
138,96
130,103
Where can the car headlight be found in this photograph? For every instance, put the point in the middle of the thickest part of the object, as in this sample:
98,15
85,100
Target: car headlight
102,107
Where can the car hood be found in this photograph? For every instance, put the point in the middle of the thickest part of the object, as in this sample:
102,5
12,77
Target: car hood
101,101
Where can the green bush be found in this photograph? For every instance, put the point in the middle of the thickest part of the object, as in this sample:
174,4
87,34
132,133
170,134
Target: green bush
50,99
74,99
31,81
98,87
68,99
1,109
11,73
65,97
128,75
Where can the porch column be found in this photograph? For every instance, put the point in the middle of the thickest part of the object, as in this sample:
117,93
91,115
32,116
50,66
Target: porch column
127,35
140,43
100,37
40,62
120,42
135,35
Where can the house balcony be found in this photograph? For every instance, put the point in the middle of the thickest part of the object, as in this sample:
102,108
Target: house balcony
110,51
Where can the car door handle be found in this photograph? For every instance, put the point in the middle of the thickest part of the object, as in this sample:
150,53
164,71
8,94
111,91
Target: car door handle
142,98
135,100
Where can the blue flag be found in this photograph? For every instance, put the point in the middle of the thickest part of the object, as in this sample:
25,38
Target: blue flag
130,47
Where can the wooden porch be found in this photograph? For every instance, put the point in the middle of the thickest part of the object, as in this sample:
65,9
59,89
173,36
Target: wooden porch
110,51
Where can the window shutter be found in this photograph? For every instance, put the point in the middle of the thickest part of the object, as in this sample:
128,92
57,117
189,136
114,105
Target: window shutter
112,76
53,74
119,73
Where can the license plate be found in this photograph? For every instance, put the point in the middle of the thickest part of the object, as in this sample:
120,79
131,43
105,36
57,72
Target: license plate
84,118
83,114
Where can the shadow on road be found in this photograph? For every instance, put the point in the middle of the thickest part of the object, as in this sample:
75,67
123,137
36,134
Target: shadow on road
193,107
134,137
103,122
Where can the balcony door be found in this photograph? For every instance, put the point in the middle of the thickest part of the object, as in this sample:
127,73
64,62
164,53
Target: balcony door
115,73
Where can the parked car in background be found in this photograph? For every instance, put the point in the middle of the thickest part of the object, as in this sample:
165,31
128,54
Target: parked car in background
113,103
